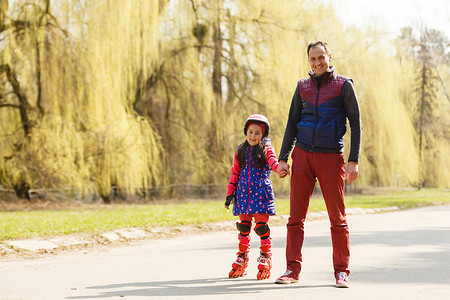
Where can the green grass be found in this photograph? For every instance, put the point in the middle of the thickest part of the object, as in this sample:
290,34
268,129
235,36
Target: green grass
27,224
403,199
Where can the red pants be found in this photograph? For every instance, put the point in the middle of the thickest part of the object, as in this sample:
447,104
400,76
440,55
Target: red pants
329,169
244,241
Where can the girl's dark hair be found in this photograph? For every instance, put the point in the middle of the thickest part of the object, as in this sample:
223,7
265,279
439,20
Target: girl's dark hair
257,154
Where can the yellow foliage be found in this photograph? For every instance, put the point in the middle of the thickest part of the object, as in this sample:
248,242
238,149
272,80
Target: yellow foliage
88,136
126,93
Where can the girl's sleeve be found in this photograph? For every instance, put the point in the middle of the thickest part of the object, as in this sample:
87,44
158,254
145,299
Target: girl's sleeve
271,158
235,171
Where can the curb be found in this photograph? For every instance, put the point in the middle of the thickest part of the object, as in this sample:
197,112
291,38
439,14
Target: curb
76,241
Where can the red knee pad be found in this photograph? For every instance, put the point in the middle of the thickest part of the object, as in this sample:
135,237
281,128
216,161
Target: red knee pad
244,227
263,230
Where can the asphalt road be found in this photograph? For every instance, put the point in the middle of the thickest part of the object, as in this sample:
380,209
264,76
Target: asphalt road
396,255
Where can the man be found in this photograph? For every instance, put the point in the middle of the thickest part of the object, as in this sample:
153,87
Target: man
316,126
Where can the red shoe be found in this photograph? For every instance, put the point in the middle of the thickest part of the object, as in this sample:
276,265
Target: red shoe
264,266
342,280
287,278
239,267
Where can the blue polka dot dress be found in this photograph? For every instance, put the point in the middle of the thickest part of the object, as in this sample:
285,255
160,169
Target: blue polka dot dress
254,189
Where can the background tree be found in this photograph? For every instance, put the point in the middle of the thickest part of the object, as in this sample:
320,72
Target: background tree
429,102
161,99
77,81
218,67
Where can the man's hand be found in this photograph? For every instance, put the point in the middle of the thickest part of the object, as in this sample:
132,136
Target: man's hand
283,169
351,172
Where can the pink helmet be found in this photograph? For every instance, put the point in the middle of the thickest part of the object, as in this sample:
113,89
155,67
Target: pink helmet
256,118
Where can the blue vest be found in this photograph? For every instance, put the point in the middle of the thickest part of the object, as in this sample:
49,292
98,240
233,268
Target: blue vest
323,120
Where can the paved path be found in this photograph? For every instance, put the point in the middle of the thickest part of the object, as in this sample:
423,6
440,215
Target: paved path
396,255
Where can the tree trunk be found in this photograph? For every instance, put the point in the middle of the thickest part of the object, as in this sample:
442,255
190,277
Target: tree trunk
24,106
21,188
422,105
3,10
217,64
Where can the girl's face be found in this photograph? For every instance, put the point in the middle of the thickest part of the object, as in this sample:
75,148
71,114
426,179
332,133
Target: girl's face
254,134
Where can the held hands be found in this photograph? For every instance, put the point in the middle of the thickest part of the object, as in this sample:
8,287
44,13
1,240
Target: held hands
229,200
283,169
351,172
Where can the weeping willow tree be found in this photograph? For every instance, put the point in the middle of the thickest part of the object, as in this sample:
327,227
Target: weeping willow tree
137,94
388,131
70,75
222,62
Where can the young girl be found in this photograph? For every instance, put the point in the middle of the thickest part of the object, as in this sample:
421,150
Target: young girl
251,191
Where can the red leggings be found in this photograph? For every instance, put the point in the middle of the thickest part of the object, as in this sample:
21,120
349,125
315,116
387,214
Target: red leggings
329,169
244,241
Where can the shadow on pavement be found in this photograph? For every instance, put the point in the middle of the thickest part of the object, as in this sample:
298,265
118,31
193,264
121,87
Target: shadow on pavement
199,287
397,256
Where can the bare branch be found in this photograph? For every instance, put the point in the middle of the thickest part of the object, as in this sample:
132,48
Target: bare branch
9,105
434,64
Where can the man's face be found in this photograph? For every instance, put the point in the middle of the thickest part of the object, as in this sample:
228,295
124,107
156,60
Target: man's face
319,60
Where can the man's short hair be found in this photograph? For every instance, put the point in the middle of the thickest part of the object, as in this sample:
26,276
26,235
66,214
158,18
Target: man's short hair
319,43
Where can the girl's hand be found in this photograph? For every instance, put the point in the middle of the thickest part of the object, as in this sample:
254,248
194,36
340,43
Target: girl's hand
283,169
229,200
283,174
